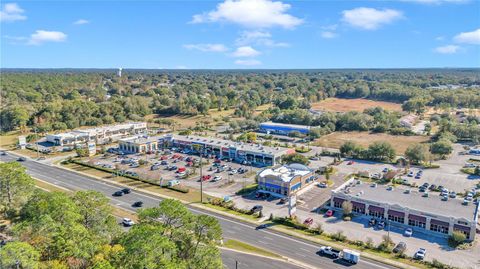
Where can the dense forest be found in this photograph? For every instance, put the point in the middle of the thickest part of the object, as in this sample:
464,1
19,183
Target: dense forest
66,99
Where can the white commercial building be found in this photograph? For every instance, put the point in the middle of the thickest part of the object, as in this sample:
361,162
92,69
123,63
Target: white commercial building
408,208
99,135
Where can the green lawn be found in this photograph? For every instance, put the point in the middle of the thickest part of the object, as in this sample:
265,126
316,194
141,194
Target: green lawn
241,246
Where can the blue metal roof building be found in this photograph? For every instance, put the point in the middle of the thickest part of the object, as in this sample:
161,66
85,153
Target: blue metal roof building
283,129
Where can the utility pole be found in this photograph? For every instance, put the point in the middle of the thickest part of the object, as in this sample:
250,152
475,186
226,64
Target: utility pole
236,264
201,178
36,141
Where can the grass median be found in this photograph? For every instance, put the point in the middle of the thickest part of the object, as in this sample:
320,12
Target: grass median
244,247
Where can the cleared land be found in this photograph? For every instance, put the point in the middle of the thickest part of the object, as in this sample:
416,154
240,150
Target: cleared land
399,142
345,105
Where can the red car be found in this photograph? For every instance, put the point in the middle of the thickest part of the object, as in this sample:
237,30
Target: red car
330,213
308,221
350,162
206,177
189,164
181,169
164,157
217,161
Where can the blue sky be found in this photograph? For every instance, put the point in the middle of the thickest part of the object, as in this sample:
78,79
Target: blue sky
240,34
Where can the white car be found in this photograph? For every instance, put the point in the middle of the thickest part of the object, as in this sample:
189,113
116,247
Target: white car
217,178
127,222
408,232
420,254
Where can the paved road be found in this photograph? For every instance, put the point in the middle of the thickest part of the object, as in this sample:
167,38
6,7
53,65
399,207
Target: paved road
230,258
294,248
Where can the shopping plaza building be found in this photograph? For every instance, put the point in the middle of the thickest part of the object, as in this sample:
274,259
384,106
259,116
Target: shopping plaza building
403,207
246,153
283,129
99,135
285,180
138,144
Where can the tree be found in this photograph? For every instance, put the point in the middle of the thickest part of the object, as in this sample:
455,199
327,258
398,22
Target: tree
13,117
21,252
295,158
457,238
351,149
96,213
442,148
16,186
347,208
381,151
417,153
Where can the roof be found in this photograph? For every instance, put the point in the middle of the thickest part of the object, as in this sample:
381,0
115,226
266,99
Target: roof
139,139
431,205
101,129
286,172
275,124
228,143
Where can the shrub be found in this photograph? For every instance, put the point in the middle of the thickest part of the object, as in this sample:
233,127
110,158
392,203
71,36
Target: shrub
369,243
338,236
347,208
386,245
456,239
318,229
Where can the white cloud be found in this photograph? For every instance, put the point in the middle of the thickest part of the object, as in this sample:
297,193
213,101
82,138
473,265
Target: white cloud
328,34
245,51
81,21
12,12
468,37
261,38
207,47
180,67
42,36
440,38
448,49
249,62
370,18
251,13
437,2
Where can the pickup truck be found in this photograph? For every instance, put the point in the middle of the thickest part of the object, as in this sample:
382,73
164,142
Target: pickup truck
329,251
347,255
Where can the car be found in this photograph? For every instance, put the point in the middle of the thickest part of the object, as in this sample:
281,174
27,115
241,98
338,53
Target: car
418,176
283,200
217,178
350,162
330,213
137,204
400,247
410,174
445,197
308,221
432,187
426,185
408,232
127,222
313,158
381,225
21,159
126,191
256,209
164,163
233,172
453,194
385,170
118,193
181,174
420,254
372,222
41,158
322,185
261,226
329,251
425,194
206,177
422,189
3,153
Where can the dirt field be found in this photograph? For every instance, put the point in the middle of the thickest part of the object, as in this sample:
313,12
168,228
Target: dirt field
400,143
345,105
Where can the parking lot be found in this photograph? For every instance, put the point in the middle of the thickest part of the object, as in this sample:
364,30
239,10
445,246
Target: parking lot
219,178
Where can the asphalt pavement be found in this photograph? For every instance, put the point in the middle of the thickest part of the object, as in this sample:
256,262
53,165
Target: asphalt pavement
294,248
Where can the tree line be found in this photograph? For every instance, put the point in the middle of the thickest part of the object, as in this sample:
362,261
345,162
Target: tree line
60,231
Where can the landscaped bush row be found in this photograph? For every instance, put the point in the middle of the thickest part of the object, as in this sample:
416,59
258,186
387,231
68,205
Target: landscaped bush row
386,246
229,205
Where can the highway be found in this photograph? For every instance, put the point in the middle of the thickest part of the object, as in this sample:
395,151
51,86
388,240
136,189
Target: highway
294,248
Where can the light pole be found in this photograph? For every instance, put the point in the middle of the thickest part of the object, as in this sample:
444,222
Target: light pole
36,141
201,177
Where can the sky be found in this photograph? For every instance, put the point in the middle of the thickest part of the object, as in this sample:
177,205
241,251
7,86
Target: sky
237,34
